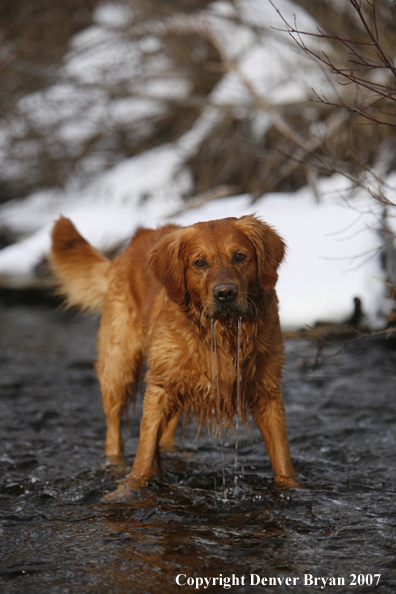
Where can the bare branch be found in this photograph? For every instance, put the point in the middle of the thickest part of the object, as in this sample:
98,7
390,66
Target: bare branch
359,66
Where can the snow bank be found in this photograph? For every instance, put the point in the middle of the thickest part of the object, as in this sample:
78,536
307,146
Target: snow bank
333,246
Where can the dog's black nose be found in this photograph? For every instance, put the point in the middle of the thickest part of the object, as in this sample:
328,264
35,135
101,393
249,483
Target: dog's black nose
225,291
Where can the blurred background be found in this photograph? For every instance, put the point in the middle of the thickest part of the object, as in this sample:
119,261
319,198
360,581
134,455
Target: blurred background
133,112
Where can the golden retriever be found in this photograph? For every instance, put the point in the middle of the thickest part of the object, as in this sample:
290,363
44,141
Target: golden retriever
199,305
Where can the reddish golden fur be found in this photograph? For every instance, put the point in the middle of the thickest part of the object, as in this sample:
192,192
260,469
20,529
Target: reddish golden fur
175,296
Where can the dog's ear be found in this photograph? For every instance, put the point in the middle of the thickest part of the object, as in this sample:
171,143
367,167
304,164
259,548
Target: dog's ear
166,264
270,249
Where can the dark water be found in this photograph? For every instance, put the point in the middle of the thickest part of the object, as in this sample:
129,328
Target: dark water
56,536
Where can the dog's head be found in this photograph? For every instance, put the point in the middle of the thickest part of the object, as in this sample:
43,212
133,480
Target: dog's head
219,265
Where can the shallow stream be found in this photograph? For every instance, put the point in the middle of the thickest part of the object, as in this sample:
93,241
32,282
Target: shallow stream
56,536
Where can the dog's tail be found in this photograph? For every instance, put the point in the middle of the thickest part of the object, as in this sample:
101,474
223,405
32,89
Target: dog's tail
82,271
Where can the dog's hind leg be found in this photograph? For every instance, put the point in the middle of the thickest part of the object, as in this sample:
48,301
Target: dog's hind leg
118,368
167,440
157,468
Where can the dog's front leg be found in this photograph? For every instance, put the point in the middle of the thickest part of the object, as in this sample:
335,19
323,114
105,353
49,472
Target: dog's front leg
142,469
271,420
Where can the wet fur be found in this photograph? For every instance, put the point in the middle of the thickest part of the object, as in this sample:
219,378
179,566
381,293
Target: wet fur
158,303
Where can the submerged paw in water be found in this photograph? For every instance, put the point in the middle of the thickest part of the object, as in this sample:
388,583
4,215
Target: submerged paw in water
127,490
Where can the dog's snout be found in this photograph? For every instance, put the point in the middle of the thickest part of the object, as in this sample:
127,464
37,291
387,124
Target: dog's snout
225,291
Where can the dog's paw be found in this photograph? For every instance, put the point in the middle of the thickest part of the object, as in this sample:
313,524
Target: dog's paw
116,462
127,491
168,448
286,482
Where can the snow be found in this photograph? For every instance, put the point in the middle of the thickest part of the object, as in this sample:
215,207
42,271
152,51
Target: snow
155,175
333,246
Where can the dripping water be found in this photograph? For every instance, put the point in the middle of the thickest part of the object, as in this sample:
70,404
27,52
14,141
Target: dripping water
238,404
216,405
220,420
217,399
212,362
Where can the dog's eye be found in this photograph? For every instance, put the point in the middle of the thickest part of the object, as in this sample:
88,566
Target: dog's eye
199,263
240,257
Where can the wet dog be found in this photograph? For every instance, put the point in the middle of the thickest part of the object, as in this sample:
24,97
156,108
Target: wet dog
199,305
